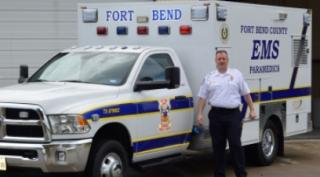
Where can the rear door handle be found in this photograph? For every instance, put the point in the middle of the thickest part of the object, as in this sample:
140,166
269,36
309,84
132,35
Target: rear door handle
180,97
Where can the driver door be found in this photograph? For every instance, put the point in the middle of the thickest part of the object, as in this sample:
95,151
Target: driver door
166,114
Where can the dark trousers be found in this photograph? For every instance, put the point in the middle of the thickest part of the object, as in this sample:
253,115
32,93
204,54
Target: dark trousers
225,124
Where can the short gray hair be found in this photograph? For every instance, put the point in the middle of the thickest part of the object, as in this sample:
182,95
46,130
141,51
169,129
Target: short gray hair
222,51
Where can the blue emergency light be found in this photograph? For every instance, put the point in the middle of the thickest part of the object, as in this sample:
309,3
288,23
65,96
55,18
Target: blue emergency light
164,30
122,30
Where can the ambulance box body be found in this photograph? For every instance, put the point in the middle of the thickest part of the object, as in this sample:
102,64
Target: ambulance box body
127,93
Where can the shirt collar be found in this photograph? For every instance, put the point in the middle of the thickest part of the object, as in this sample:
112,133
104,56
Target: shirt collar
217,73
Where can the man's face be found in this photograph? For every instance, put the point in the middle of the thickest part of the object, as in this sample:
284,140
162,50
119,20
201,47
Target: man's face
222,61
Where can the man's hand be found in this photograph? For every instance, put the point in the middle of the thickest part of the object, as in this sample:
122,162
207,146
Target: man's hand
253,114
201,105
200,119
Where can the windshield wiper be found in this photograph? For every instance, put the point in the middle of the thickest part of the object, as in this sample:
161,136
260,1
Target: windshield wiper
39,80
75,81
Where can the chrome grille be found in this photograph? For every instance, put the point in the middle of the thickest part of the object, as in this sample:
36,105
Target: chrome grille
24,131
14,113
23,123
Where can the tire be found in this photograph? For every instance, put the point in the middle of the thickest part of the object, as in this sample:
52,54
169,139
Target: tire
265,152
269,145
109,159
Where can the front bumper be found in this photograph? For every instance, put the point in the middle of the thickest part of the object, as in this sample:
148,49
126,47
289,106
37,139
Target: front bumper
58,156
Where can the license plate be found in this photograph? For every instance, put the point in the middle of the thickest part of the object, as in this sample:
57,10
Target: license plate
3,164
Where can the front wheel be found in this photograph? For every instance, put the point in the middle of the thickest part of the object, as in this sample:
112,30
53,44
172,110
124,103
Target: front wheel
110,159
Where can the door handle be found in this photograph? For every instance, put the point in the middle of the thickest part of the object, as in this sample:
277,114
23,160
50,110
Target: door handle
180,97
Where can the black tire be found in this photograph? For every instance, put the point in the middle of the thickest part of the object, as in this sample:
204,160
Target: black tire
110,154
265,152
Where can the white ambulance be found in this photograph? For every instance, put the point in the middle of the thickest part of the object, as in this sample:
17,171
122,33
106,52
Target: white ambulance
127,96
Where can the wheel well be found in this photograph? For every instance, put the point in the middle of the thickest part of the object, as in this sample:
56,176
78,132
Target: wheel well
115,131
277,122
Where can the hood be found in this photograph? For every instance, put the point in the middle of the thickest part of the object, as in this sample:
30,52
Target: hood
58,97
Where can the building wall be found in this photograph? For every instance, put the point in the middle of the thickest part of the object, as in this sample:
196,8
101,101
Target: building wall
32,31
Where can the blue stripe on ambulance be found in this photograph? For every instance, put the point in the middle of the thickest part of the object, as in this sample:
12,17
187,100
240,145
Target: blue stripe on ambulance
180,139
181,103
275,95
161,142
127,109
153,106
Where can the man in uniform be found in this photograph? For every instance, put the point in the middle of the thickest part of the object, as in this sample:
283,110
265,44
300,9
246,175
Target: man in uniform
223,89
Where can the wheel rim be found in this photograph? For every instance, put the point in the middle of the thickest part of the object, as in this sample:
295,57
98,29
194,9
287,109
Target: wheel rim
111,166
268,143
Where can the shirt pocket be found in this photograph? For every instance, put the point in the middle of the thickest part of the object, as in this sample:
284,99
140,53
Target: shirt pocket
215,86
234,86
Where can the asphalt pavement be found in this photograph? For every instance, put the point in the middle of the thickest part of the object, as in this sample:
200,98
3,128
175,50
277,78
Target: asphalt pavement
301,159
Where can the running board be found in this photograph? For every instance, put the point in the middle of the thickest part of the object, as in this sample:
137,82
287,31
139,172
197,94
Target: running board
159,161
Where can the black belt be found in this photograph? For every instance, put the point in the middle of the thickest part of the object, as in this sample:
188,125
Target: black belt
219,109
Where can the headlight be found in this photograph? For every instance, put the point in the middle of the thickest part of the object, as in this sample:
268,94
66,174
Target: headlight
68,124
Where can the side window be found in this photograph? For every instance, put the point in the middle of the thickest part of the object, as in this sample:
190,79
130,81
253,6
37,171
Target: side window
154,67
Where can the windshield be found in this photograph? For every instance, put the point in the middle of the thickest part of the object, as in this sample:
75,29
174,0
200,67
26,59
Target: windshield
108,68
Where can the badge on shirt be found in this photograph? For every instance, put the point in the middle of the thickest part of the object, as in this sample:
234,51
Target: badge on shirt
231,77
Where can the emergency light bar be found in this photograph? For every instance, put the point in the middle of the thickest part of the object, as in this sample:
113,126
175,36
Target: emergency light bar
281,16
89,15
185,29
142,30
199,13
221,13
122,30
142,19
164,30
306,19
102,30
